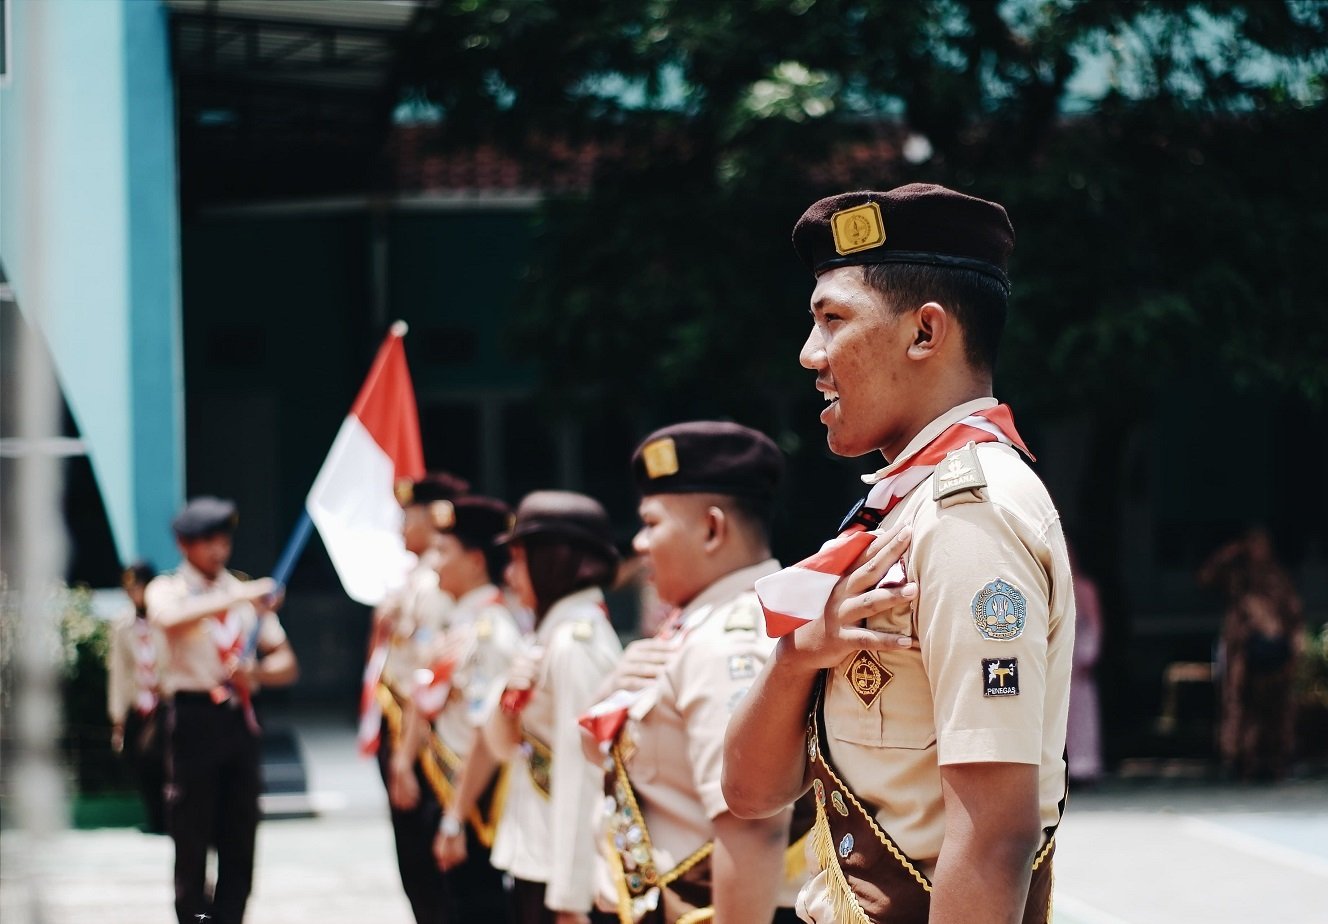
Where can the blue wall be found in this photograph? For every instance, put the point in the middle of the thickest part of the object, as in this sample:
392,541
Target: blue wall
89,238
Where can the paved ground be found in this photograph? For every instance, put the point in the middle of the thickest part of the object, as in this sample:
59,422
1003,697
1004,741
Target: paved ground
1136,853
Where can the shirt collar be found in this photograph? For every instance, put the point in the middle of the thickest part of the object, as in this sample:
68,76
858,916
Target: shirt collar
477,598
570,607
726,588
929,433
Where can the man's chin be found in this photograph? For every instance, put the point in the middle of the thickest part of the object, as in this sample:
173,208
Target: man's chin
846,445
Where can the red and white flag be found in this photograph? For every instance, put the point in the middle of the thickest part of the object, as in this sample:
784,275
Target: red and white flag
353,501
798,594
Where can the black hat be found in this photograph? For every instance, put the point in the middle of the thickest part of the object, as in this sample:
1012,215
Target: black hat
477,521
917,223
434,486
205,516
708,456
565,515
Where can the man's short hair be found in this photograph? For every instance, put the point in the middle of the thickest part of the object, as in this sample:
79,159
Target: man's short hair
976,300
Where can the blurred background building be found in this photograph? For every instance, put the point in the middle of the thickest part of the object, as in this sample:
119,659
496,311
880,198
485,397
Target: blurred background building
211,210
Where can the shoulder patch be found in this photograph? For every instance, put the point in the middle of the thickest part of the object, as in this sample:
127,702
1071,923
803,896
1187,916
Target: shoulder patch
483,628
959,471
582,631
999,611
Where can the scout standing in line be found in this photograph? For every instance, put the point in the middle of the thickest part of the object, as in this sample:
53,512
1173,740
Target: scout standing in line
671,849
937,765
133,693
469,662
404,625
224,643
562,558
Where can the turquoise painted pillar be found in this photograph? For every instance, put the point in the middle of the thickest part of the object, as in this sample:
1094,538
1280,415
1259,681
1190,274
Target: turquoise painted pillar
89,236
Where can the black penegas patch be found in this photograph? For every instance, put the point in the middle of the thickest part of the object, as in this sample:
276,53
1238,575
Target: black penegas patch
1000,676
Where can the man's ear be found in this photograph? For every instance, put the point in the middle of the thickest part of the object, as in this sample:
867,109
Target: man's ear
932,325
717,528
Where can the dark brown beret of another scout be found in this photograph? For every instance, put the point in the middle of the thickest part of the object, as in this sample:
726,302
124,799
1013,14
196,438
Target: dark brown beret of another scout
918,223
205,516
563,515
708,457
434,486
477,521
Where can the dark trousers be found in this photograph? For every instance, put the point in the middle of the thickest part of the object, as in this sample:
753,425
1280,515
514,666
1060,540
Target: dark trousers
214,773
475,888
413,831
528,903
144,750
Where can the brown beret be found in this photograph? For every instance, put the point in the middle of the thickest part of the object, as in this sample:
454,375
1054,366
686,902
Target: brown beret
477,521
205,516
434,486
708,456
563,515
917,223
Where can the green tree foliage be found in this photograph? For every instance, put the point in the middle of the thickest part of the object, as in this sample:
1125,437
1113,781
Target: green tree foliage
1161,161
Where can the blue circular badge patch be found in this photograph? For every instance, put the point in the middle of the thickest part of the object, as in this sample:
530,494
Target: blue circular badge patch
999,611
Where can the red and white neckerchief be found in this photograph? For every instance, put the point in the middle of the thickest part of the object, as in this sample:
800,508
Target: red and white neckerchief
371,714
606,718
228,638
798,594
433,684
145,667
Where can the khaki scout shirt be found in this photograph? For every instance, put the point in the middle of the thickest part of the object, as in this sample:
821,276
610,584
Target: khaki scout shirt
193,662
673,740
553,840
418,612
122,680
942,704
483,624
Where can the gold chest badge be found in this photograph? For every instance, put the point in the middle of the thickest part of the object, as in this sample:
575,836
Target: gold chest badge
858,228
867,677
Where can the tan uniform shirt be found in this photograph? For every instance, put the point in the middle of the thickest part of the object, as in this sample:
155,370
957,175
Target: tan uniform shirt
123,683
193,660
418,612
673,740
482,623
553,840
994,613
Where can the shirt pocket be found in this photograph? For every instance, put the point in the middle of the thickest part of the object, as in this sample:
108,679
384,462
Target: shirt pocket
901,714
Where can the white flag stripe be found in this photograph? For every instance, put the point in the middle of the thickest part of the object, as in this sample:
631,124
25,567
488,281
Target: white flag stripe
358,517
801,592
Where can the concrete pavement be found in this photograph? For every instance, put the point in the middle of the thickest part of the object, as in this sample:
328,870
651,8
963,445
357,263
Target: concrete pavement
1130,853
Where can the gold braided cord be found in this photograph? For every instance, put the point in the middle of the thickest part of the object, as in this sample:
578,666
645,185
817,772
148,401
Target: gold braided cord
871,819
433,756
1046,849
696,915
619,876
687,863
842,900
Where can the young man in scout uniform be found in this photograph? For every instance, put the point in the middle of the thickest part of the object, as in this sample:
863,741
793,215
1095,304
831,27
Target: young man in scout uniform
404,625
133,695
933,735
671,850
452,699
223,643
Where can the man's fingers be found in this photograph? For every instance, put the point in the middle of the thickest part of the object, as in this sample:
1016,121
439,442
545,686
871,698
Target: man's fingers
879,600
872,640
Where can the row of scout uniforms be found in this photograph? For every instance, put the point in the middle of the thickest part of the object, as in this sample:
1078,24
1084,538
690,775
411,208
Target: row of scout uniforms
670,851
403,677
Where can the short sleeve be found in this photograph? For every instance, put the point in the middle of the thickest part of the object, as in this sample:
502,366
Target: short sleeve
983,624
270,632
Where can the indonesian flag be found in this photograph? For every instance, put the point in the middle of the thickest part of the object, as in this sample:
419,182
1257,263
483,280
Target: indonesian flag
352,502
798,594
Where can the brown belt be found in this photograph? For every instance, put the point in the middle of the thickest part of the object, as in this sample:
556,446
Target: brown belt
872,881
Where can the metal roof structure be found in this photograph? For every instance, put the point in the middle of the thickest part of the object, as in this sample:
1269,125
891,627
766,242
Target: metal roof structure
284,98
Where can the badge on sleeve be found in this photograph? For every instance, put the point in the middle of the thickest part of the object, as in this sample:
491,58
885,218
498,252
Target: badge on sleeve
999,611
742,667
1000,676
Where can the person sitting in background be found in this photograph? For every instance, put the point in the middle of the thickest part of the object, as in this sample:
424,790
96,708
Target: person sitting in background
563,557
133,694
1261,640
